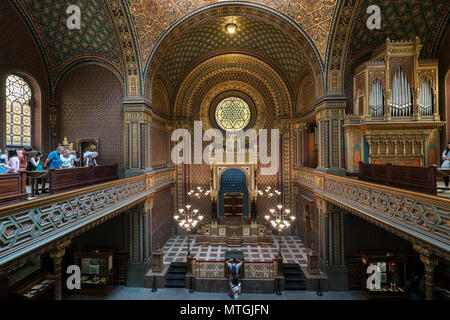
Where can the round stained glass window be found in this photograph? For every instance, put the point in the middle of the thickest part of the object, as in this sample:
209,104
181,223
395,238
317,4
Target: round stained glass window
232,113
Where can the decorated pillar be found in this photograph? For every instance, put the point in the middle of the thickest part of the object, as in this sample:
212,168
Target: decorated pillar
57,256
53,111
430,262
329,119
138,123
140,242
284,125
323,231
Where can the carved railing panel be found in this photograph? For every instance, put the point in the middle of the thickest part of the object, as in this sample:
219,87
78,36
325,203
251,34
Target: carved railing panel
420,216
218,269
29,225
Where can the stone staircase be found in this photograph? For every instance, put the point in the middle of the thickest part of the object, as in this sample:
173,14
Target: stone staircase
294,279
176,275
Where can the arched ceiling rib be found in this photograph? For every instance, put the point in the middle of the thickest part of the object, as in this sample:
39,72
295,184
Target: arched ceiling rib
95,38
252,35
401,20
153,17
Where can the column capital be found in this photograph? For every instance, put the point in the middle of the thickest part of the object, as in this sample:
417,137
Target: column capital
428,259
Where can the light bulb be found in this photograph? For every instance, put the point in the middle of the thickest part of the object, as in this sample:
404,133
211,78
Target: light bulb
200,218
176,217
267,217
272,211
188,206
279,206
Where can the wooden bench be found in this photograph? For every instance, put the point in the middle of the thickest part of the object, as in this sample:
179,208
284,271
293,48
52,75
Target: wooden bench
13,187
66,179
419,179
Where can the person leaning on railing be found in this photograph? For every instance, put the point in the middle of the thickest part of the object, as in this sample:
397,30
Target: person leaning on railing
446,163
36,165
3,160
13,164
53,159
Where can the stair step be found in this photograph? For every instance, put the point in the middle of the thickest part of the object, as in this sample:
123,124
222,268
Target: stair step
178,264
175,285
177,270
176,276
294,278
294,287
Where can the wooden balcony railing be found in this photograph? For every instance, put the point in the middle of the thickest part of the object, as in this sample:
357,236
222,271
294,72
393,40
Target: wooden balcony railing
31,225
417,217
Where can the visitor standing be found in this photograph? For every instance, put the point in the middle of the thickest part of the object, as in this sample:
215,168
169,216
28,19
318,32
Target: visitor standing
235,288
446,163
66,160
233,266
13,164
3,160
24,156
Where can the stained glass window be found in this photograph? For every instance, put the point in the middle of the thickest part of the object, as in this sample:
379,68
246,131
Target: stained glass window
232,113
18,112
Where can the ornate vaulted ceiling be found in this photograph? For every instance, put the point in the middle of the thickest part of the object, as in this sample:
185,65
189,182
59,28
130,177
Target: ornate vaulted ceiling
153,17
401,20
109,27
253,36
95,39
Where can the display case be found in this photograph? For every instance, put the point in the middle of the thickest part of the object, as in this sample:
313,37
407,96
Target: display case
392,275
39,285
96,271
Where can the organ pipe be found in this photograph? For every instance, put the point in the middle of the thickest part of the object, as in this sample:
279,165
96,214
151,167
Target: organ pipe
401,101
376,100
426,99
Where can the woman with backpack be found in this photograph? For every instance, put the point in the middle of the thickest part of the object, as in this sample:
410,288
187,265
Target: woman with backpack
234,265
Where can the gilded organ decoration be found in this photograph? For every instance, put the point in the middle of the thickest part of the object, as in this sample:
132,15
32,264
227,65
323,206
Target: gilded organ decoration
396,113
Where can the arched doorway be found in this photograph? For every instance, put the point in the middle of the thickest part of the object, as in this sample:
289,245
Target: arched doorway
233,186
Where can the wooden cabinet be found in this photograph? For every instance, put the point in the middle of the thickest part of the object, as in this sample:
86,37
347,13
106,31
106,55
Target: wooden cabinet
392,270
96,271
38,285
233,205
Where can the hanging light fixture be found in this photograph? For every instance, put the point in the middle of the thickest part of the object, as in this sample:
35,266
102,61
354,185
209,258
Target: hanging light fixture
231,28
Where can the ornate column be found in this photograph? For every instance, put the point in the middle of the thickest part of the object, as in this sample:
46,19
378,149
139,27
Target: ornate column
324,226
57,255
430,262
284,125
52,111
137,139
332,253
329,118
140,242
299,133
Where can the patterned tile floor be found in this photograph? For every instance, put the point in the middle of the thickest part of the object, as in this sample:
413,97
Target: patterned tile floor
292,247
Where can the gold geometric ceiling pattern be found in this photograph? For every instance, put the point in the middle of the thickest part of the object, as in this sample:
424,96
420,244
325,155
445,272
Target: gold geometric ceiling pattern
253,36
153,17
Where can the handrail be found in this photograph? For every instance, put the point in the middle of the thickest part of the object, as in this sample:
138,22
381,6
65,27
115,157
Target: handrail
32,224
418,216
